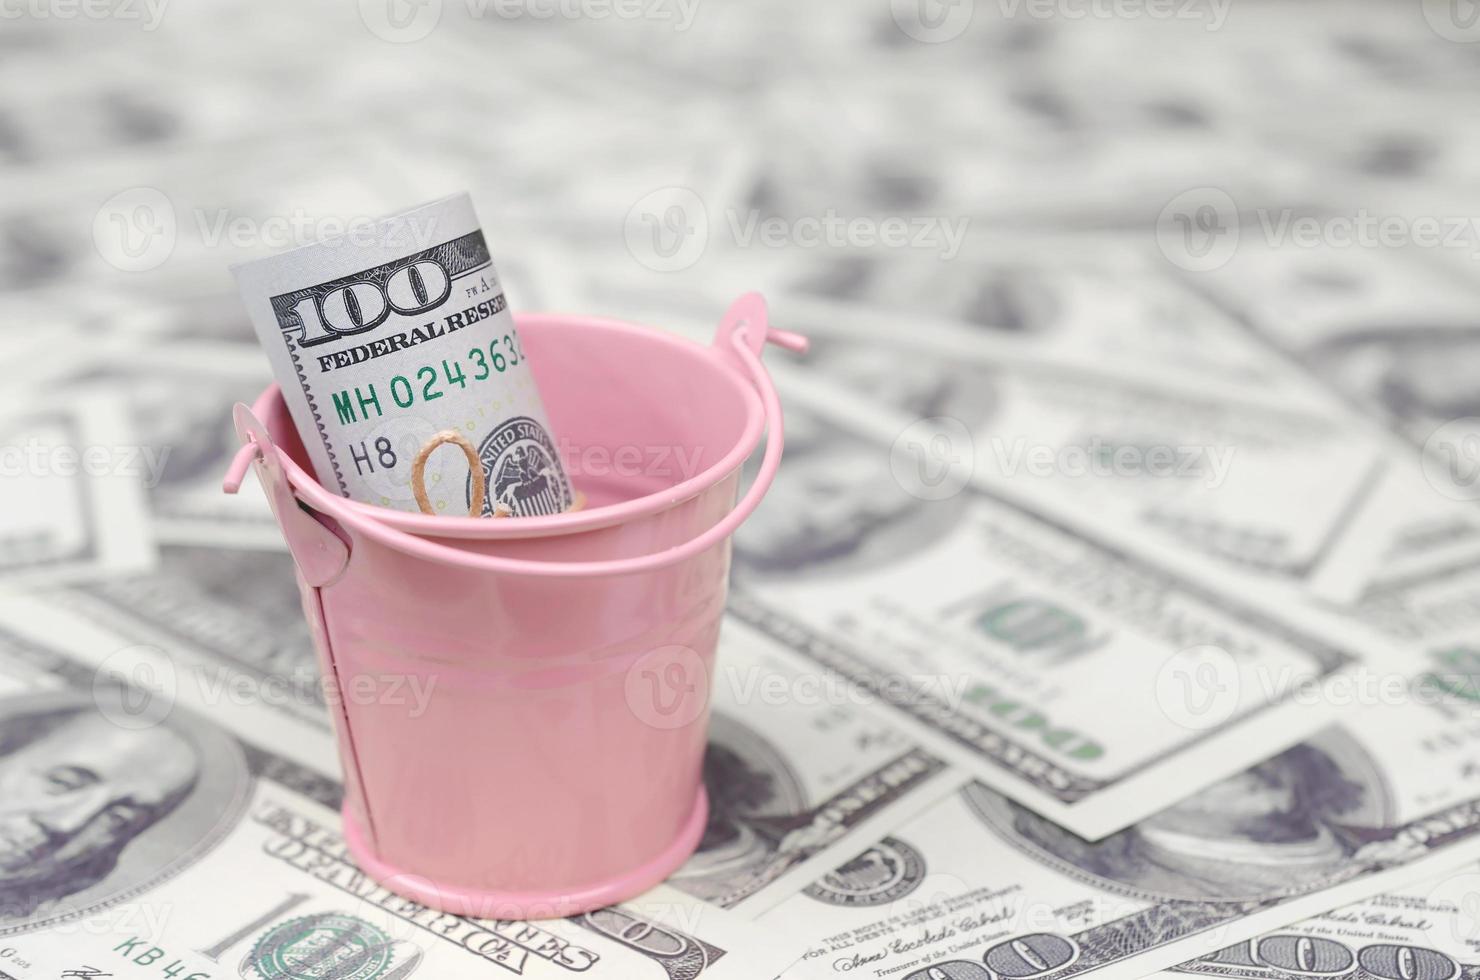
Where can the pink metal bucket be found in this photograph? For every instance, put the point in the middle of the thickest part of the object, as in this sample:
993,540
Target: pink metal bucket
549,762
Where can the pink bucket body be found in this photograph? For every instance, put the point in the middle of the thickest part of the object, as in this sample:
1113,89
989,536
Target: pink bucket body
522,703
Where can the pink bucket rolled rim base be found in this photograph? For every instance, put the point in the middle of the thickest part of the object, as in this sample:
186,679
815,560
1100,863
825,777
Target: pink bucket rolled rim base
476,903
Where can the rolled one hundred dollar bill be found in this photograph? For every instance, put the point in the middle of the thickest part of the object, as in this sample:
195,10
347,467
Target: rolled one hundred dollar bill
394,338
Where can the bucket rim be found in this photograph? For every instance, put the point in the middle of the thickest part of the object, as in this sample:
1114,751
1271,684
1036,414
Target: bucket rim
569,522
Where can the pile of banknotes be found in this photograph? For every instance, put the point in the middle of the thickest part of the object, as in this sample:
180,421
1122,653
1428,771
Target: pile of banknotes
1116,610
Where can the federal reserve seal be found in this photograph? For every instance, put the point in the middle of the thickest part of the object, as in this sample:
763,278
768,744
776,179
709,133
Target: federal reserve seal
884,873
523,471
324,946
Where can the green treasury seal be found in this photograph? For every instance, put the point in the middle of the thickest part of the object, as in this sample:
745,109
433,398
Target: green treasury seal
325,946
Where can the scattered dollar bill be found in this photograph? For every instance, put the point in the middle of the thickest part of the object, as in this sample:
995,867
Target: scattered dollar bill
993,627
979,883
73,479
391,334
1426,930
1174,462
228,620
1394,336
179,396
1388,796
1392,333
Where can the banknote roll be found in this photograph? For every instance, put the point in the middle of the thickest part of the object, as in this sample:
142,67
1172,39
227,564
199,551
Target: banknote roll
396,334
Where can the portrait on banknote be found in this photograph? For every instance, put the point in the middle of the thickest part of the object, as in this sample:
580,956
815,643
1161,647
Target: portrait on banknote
1288,825
99,804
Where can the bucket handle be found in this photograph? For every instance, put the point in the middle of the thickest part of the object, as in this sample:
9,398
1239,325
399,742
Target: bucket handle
745,330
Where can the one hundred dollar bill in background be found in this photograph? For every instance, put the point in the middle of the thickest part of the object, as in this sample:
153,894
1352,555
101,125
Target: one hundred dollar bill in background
1176,463
1393,335
979,887
73,479
179,398
387,336
994,628
1388,796
1426,931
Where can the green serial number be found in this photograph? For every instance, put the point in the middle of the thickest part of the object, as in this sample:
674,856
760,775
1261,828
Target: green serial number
428,383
